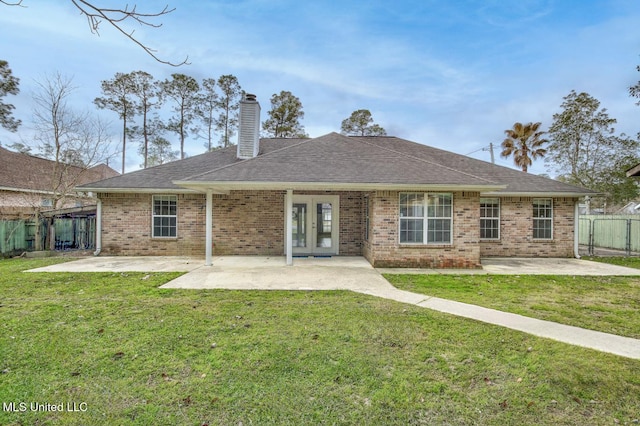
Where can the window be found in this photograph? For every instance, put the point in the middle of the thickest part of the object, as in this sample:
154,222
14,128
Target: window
165,216
425,218
489,218
542,218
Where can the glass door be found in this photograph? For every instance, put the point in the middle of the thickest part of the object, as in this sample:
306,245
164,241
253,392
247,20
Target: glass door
315,224
299,225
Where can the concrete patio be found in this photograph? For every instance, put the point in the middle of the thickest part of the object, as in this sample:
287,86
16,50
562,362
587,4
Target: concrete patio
238,269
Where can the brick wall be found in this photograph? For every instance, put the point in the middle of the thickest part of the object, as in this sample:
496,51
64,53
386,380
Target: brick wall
248,223
383,248
126,226
516,235
244,223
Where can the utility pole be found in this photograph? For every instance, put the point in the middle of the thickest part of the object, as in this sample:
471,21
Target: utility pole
490,149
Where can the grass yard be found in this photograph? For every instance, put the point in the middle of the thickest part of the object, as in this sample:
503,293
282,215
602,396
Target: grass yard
127,353
630,262
608,304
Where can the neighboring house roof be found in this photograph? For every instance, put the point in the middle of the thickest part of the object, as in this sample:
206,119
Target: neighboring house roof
634,171
23,172
336,161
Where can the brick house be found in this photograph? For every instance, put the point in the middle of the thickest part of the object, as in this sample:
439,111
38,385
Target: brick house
30,185
395,202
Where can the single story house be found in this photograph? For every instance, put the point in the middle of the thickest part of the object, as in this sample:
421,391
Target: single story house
395,202
30,185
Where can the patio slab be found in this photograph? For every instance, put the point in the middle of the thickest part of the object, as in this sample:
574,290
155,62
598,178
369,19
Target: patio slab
271,273
126,264
528,266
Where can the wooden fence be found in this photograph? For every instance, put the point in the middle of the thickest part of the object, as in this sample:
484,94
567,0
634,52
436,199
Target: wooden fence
17,236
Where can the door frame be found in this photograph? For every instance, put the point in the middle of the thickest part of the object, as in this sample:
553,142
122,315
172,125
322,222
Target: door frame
311,201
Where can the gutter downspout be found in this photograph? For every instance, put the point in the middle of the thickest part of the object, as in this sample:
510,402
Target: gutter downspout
98,228
576,229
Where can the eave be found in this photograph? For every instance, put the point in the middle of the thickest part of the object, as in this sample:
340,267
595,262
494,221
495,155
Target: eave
335,186
136,190
539,194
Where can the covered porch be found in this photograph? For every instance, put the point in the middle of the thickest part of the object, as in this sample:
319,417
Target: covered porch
295,223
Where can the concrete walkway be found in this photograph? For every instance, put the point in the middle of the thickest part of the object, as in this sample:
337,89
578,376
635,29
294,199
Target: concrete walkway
356,274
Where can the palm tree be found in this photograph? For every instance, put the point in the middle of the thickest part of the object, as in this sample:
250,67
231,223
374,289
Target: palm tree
524,142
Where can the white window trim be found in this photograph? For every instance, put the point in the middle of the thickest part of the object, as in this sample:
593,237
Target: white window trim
425,218
550,219
492,218
153,216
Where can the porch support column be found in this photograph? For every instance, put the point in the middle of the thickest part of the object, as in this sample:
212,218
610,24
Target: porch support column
98,227
288,225
576,229
209,230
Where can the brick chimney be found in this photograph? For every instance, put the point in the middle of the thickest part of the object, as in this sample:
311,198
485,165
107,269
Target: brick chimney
249,127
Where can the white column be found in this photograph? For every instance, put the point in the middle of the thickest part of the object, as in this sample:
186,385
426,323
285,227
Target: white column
288,214
209,230
98,227
576,229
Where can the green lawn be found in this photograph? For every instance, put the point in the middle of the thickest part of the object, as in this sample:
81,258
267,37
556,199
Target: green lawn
630,262
608,304
135,354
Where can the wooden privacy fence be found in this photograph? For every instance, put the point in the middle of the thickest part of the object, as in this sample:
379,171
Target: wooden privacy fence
17,236
615,232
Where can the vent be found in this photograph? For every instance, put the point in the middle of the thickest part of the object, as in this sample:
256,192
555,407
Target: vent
249,127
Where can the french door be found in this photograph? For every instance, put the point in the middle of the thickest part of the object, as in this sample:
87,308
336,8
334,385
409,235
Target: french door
315,224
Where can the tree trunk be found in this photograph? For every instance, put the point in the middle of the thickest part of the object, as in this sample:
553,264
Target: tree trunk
52,234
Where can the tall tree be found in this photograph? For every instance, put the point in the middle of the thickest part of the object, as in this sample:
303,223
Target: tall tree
228,104
183,89
360,123
634,91
284,116
160,152
584,149
524,142
8,86
206,107
118,97
116,17
73,140
145,90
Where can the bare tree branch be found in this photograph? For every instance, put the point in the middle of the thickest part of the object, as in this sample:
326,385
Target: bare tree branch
96,15
116,17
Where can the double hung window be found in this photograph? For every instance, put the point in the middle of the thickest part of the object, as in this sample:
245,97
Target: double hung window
542,218
489,218
165,217
426,218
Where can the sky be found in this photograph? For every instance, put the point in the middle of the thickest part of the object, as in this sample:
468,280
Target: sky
449,74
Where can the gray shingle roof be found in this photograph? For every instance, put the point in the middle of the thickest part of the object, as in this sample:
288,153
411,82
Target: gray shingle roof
337,159
161,177
516,180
